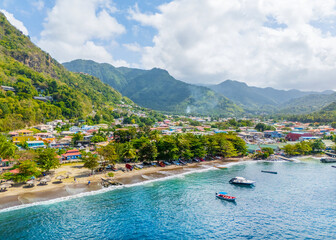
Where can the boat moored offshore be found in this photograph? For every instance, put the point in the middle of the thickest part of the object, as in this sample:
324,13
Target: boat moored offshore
241,181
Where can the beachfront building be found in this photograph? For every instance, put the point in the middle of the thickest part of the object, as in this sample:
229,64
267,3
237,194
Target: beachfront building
36,144
72,155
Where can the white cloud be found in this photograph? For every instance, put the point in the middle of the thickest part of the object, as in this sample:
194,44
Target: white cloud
81,29
214,40
16,23
134,47
39,4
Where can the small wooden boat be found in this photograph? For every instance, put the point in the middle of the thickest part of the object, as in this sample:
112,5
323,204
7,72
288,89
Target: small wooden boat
269,172
223,196
162,164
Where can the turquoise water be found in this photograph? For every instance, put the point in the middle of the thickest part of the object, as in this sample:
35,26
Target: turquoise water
297,203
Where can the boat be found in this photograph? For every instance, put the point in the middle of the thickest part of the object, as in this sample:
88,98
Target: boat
264,171
241,181
162,164
328,160
333,166
224,196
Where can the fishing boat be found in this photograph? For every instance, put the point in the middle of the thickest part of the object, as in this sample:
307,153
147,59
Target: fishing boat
264,171
223,196
328,160
162,164
241,181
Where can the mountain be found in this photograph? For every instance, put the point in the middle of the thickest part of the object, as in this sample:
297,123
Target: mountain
158,90
34,73
258,98
307,104
325,115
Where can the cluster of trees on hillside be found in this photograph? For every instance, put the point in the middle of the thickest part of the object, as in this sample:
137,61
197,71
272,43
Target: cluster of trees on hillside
263,127
32,72
233,123
304,147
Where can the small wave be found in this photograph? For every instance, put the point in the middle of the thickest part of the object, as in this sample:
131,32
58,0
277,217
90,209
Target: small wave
165,173
146,177
104,190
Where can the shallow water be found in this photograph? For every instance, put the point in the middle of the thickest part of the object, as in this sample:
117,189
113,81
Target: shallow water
298,202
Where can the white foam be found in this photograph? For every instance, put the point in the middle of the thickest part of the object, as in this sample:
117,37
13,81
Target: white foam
104,190
146,177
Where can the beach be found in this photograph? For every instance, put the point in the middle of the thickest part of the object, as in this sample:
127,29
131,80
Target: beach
20,194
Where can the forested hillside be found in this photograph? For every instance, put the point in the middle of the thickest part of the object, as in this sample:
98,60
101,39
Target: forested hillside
158,90
32,73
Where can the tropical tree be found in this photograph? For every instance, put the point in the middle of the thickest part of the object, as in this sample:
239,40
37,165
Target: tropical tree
98,138
7,149
148,151
128,152
46,159
108,153
318,145
77,137
167,148
90,161
26,170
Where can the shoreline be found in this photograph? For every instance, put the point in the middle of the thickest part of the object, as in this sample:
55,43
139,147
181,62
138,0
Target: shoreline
19,196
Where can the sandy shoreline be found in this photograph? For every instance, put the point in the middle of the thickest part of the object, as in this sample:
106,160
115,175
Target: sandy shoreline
19,195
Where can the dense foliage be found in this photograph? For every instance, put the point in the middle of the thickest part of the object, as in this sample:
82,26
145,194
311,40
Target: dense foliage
32,73
263,127
156,89
148,147
325,115
304,147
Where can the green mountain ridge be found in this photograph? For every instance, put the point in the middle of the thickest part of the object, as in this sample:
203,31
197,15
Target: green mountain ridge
272,100
33,72
158,90
307,104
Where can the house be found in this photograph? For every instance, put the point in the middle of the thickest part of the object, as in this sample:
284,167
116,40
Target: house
72,154
74,129
295,136
25,132
20,139
36,144
7,88
44,99
45,127
272,134
304,138
6,162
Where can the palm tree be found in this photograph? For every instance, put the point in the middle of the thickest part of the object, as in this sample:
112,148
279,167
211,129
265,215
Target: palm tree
128,151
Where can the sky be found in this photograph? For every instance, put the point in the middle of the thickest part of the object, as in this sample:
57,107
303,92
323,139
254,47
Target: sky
266,43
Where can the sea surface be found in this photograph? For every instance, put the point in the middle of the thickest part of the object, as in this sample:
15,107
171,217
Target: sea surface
297,203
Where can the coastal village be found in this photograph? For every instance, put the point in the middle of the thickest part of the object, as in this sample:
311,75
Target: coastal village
70,140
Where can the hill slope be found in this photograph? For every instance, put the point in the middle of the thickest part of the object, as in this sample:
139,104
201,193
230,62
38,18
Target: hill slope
325,115
270,99
307,104
32,73
157,90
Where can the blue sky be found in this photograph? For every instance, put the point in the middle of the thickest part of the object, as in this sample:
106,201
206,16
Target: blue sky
33,14
283,44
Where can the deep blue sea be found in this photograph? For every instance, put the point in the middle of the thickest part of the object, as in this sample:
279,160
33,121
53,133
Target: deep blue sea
297,203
